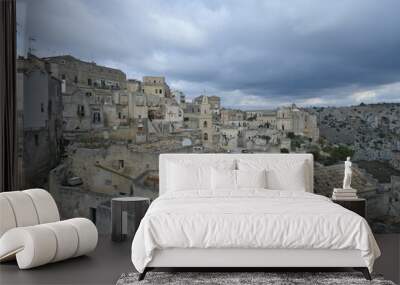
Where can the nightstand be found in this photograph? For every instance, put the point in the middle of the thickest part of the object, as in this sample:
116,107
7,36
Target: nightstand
358,206
126,214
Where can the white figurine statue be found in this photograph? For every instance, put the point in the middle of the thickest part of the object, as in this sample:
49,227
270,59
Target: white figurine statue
347,174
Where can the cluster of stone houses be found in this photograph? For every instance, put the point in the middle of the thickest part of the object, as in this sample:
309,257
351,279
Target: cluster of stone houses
81,119
265,130
73,101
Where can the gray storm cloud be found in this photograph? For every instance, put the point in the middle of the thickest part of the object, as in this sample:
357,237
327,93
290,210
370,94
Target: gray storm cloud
252,53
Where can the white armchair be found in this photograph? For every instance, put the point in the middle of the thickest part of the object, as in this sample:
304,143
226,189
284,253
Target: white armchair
31,230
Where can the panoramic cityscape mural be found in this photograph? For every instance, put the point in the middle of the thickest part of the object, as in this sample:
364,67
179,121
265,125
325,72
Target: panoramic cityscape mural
98,102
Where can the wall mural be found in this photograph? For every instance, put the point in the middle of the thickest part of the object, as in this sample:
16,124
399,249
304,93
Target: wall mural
88,133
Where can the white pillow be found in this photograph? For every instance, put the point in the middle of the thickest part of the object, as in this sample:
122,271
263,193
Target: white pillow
282,174
251,178
189,174
290,176
223,179
183,177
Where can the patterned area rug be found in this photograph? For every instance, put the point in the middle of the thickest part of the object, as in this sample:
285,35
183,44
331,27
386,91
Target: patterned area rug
229,278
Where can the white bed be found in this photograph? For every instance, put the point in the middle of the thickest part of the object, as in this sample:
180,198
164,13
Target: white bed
250,227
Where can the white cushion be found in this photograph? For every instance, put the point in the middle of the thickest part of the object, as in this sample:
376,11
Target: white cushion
87,233
32,246
67,240
189,174
251,178
45,205
282,174
7,218
188,177
223,179
23,208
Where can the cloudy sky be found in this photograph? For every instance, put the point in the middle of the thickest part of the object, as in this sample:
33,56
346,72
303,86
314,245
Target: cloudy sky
254,54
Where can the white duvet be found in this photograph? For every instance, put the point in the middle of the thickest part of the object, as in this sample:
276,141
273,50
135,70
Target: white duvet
250,219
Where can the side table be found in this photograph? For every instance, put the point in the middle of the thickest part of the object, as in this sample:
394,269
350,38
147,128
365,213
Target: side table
126,214
358,205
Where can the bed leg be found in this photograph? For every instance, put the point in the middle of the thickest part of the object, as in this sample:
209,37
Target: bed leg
143,274
364,271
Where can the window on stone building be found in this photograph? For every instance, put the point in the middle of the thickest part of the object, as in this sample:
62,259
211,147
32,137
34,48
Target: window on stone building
63,76
76,79
42,107
81,110
89,81
205,124
119,115
36,139
205,136
96,117
121,163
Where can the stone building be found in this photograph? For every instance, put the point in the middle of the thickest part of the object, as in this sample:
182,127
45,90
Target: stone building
173,113
88,93
228,139
214,101
300,122
229,115
267,119
133,85
155,85
179,96
39,121
199,116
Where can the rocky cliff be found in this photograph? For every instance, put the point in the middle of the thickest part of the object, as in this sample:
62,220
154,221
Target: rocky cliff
373,130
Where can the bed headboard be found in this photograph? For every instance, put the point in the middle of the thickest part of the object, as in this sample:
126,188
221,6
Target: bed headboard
209,158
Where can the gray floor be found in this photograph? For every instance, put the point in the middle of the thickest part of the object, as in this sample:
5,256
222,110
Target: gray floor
105,265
